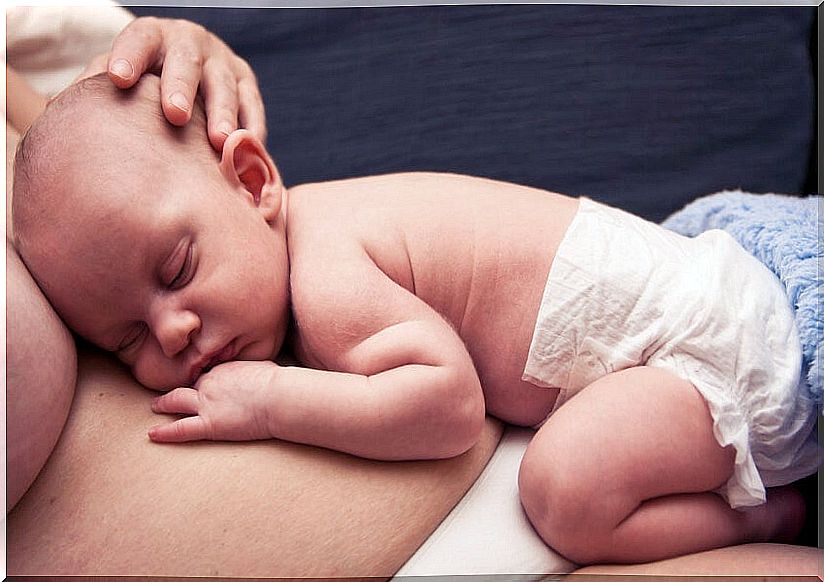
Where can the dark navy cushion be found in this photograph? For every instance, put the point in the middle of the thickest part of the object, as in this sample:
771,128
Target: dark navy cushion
642,107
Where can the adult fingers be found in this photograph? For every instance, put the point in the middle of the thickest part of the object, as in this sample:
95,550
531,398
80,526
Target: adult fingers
251,112
182,71
178,401
137,48
191,428
220,96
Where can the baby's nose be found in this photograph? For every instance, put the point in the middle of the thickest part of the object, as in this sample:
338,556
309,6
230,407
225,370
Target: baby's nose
174,330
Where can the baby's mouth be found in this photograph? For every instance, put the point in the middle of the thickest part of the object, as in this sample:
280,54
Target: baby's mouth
207,363
224,355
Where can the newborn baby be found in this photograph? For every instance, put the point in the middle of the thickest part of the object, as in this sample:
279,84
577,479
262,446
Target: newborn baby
417,303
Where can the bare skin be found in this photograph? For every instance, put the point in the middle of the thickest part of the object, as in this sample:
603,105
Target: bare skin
38,397
44,391
413,299
181,116
191,61
100,440
734,563
483,274
109,502
285,496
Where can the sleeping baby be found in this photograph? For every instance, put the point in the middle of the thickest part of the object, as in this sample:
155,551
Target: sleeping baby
662,372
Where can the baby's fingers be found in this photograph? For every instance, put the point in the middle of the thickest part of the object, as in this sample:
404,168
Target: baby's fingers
178,401
191,428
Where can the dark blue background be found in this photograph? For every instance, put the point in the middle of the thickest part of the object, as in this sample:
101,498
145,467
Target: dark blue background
643,107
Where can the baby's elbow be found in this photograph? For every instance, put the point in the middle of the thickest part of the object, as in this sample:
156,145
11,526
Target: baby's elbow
467,415
472,427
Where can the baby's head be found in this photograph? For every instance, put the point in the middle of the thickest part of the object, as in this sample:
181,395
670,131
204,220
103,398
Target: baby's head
147,242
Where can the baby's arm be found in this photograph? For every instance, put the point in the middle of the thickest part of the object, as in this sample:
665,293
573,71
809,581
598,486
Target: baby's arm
404,386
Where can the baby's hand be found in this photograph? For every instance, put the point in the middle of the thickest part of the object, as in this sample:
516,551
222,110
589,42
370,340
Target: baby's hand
228,403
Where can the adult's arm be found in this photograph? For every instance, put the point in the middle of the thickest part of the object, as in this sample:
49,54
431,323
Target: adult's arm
40,378
110,502
40,363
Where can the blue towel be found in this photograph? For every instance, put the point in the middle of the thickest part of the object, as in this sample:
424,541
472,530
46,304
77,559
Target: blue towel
783,232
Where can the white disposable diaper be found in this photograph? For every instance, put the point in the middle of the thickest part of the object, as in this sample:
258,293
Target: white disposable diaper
623,292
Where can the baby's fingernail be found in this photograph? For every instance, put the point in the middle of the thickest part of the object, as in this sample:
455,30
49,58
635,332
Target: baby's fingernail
179,101
122,68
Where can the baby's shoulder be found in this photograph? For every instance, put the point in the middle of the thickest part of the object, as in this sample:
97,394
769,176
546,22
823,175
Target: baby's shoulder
326,260
333,293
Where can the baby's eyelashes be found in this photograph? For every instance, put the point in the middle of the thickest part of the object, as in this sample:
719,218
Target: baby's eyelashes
185,270
132,339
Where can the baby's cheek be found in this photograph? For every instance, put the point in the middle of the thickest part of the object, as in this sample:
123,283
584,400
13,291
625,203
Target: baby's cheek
156,375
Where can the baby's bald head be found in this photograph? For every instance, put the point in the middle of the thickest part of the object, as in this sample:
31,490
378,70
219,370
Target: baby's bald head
96,143
144,241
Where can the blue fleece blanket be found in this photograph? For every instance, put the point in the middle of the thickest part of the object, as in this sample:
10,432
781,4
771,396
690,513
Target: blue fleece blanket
785,233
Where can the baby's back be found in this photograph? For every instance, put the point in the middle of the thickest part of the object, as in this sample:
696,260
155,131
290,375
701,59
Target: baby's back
476,251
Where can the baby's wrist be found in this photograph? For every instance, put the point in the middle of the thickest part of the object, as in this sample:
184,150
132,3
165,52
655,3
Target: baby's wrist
272,403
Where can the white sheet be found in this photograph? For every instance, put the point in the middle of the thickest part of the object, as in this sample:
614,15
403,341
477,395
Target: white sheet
51,45
488,532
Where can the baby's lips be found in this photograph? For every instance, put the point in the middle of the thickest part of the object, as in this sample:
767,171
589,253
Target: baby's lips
226,354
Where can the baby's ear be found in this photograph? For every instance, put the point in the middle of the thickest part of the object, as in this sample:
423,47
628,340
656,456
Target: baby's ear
246,164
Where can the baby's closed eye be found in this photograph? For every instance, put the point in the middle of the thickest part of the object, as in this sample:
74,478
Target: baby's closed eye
184,267
133,338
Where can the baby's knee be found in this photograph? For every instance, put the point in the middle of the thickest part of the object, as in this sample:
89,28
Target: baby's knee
563,507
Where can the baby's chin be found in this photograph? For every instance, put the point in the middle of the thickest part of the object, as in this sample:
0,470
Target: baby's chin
267,349
263,349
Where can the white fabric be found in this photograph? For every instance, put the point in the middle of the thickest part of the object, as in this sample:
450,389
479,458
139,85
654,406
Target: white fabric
623,292
487,533
51,45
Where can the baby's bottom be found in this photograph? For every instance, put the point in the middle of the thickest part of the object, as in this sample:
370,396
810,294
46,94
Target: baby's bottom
625,472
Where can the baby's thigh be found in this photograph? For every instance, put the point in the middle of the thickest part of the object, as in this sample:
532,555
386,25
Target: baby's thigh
629,436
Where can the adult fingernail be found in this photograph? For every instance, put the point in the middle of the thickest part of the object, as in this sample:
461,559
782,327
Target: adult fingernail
122,68
179,101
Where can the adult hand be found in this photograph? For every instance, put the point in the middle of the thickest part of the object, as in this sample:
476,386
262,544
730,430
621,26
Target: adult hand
187,56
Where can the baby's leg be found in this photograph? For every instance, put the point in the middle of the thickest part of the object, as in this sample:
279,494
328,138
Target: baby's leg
624,472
